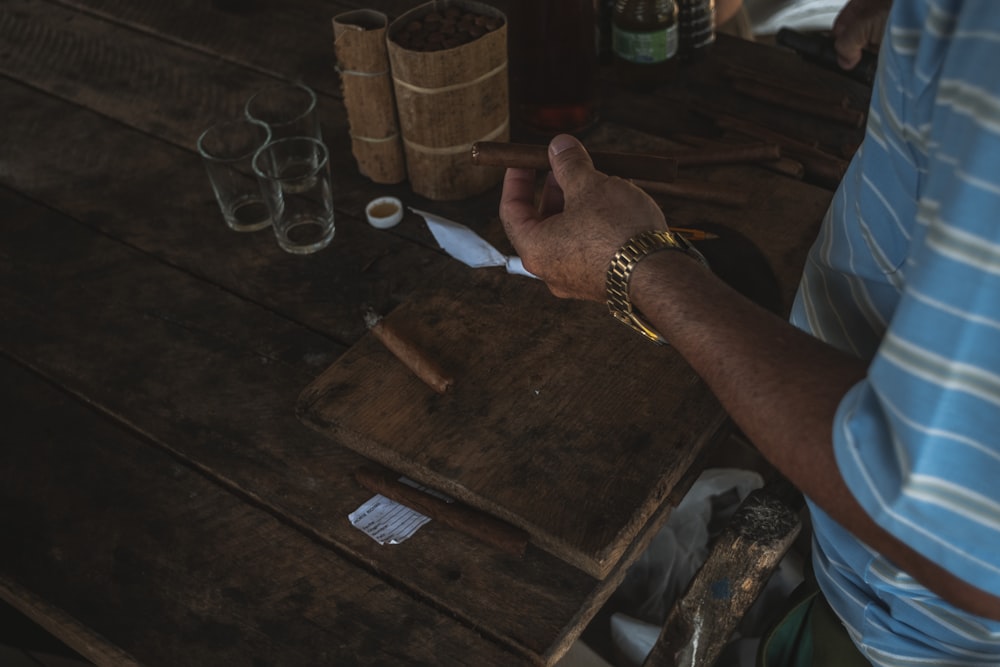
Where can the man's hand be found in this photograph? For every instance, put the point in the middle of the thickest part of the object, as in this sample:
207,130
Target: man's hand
582,220
859,25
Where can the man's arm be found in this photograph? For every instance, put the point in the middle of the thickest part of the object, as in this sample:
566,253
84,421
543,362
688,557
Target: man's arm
780,385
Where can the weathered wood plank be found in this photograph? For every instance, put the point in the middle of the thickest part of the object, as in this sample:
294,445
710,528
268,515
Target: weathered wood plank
532,431
214,379
167,566
173,93
109,184
162,88
293,40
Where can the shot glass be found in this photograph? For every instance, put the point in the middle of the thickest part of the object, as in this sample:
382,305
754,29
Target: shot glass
294,175
227,150
288,109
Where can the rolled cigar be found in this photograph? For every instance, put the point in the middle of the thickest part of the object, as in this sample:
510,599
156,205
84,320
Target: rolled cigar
823,95
536,156
496,533
697,191
782,165
827,168
412,357
731,154
786,100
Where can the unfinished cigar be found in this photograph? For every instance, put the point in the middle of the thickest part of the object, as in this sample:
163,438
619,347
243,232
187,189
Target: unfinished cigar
828,168
782,165
536,156
697,191
732,154
823,95
786,100
496,533
412,357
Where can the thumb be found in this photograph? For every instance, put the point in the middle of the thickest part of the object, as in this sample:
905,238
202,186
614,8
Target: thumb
570,162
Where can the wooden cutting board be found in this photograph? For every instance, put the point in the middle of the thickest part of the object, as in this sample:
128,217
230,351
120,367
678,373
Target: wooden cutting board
561,420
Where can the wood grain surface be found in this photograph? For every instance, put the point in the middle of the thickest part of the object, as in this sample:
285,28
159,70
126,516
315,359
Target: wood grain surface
151,360
132,523
535,431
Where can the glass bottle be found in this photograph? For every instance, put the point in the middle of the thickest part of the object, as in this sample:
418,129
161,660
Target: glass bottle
553,58
644,39
696,28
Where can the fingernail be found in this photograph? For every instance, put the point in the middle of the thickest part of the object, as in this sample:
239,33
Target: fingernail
560,143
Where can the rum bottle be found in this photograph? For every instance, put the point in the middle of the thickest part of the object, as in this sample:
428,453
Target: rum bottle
644,39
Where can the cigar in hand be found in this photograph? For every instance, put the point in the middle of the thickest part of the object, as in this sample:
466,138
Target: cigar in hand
412,357
536,156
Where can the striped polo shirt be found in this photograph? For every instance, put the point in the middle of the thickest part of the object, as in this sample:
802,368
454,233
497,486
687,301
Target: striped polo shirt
906,273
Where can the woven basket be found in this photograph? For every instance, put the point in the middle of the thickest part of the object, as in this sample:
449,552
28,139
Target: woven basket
360,47
449,99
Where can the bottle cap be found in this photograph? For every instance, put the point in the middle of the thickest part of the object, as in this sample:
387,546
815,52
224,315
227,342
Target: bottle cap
384,212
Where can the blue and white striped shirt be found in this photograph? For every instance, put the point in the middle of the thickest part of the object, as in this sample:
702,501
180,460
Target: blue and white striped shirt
906,273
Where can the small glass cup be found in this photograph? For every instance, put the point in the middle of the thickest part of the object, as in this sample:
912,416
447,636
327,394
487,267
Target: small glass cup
227,150
294,175
288,109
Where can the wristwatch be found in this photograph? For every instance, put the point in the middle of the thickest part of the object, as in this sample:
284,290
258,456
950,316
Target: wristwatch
620,272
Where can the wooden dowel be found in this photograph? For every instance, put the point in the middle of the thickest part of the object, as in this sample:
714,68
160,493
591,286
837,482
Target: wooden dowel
536,156
786,100
496,533
412,357
697,191
729,154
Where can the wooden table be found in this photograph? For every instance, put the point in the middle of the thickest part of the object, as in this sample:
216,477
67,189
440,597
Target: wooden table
162,503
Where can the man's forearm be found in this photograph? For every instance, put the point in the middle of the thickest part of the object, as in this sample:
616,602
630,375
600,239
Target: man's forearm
782,387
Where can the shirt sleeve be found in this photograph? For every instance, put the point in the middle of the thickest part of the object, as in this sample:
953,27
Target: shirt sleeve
918,441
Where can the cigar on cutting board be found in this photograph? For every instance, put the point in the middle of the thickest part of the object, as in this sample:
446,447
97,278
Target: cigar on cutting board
417,360
536,156
472,522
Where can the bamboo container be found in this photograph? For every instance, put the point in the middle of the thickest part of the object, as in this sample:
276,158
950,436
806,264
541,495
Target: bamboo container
449,99
376,143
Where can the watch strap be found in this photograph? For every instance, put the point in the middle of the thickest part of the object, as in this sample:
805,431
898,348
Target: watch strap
620,274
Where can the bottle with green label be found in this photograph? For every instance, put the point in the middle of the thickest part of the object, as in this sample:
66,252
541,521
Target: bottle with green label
644,41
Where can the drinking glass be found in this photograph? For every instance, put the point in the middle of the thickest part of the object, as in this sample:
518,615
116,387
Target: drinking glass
294,175
288,109
227,149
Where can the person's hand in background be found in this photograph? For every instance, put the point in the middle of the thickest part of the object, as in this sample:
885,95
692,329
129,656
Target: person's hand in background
859,25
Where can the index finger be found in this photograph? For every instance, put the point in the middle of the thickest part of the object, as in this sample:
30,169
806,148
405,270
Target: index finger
517,200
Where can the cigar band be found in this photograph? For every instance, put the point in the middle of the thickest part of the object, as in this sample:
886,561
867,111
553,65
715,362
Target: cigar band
457,148
458,86
372,140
